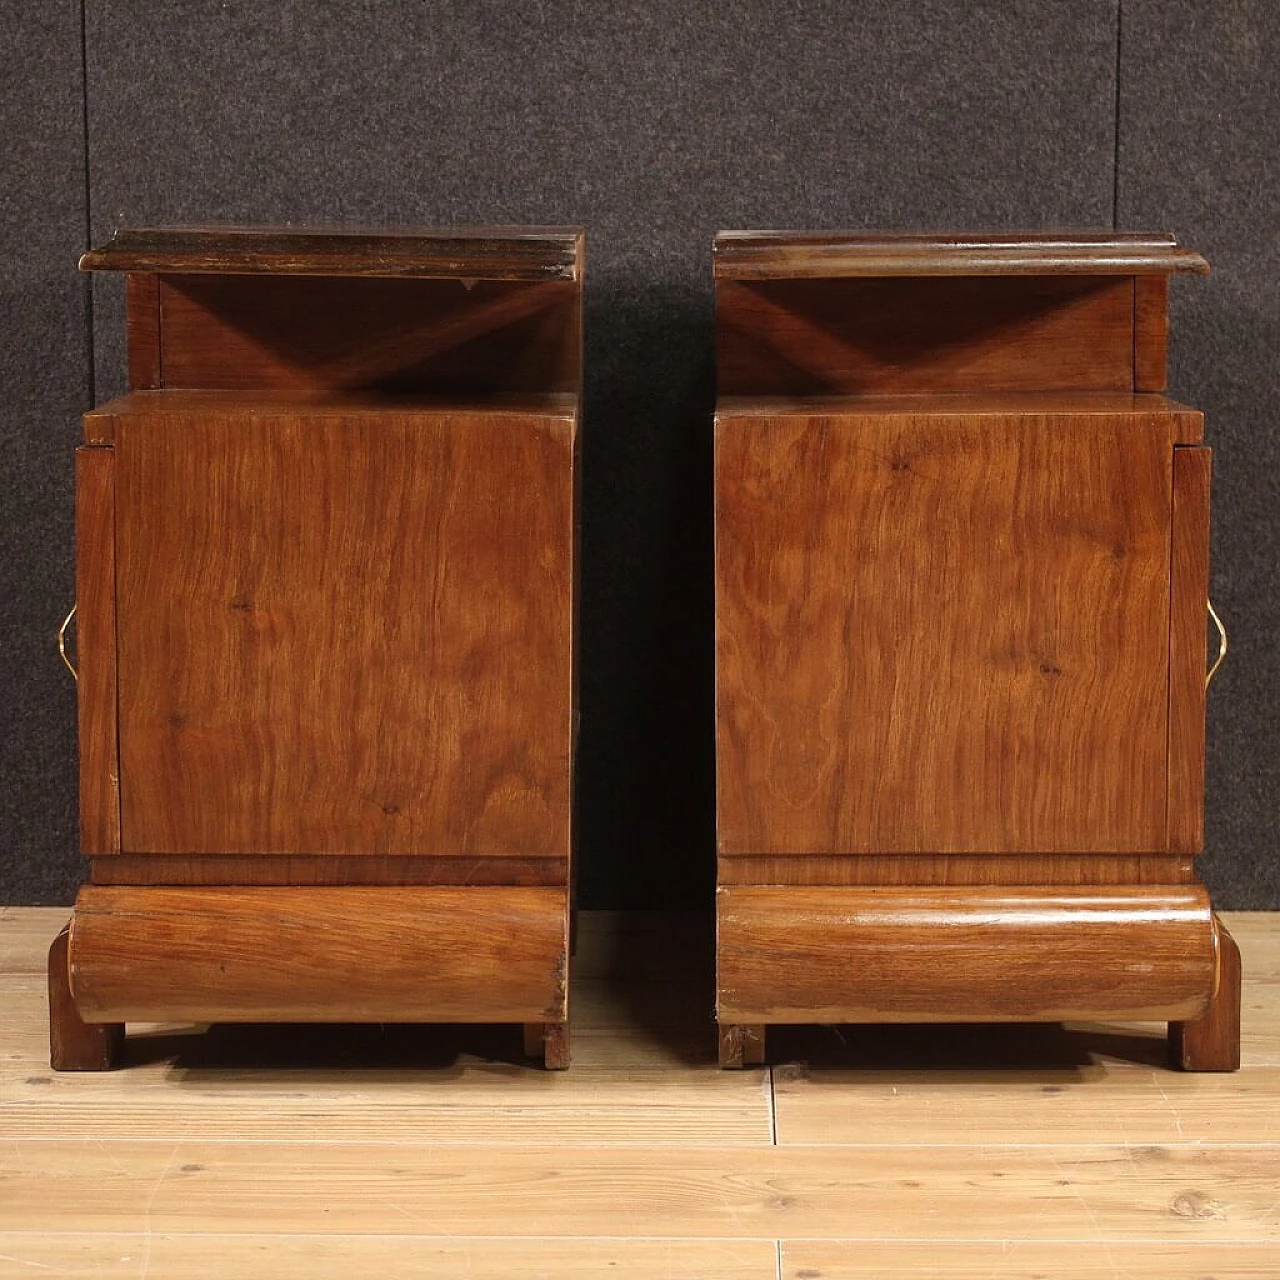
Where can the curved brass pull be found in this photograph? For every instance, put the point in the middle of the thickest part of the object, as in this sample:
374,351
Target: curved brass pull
1222,643
62,644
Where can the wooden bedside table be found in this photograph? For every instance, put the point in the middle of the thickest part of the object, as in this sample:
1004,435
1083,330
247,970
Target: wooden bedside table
325,593
961,586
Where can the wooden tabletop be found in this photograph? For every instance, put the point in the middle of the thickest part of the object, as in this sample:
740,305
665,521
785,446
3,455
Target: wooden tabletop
477,253
769,255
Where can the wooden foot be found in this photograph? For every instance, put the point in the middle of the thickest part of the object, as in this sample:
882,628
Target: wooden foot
75,1045
548,1041
1212,1043
741,1045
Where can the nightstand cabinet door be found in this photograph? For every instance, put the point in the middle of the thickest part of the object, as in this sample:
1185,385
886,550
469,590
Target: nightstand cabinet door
944,631
344,631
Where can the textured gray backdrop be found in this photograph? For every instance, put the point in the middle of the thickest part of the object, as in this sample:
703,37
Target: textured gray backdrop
653,124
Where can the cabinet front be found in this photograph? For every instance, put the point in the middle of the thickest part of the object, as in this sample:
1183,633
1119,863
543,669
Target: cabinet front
343,632
943,632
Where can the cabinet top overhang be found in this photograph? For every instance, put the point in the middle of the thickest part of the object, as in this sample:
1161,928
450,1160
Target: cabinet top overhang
463,253
782,255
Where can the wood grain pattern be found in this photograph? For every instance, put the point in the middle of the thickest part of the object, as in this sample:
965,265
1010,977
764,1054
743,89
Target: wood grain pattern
336,333
96,691
1150,333
1033,1084
756,255
942,634
116,1256
1070,1192
953,869
142,331
345,632
1189,594
1212,1042
74,1044
1081,1259
320,955
326,869
961,334
957,955
472,253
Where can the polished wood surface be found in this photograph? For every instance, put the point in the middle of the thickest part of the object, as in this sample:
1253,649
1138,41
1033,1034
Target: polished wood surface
917,954
297,332
1062,869
828,255
1188,596
942,634
474,253
74,1044
344,632
1017,1151
96,688
1212,1041
320,955
319,869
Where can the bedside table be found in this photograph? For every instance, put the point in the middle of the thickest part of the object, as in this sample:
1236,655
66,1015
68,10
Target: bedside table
961,591
326,552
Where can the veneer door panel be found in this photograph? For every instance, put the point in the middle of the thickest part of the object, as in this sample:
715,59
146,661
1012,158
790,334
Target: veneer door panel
943,632
344,632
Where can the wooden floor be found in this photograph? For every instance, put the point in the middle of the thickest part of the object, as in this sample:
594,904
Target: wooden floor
434,1152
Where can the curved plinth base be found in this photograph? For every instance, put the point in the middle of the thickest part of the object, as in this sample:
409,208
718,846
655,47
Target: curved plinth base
209,955
980,954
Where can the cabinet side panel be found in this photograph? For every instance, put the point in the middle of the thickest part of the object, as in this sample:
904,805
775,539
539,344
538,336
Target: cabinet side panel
1189,592
345,633
96,651
942,634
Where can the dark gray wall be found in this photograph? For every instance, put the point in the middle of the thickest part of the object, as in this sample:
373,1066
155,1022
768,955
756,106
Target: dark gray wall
44,386
653,125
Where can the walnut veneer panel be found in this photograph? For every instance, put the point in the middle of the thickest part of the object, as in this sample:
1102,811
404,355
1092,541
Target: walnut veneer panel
345,632
353,954
942,633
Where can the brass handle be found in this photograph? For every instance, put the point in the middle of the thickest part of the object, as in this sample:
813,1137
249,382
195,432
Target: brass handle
1222,643
62,644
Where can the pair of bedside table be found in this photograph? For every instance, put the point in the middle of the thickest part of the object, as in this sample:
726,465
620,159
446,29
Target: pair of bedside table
326,586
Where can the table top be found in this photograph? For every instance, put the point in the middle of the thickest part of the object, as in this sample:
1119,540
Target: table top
478,253
769,255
